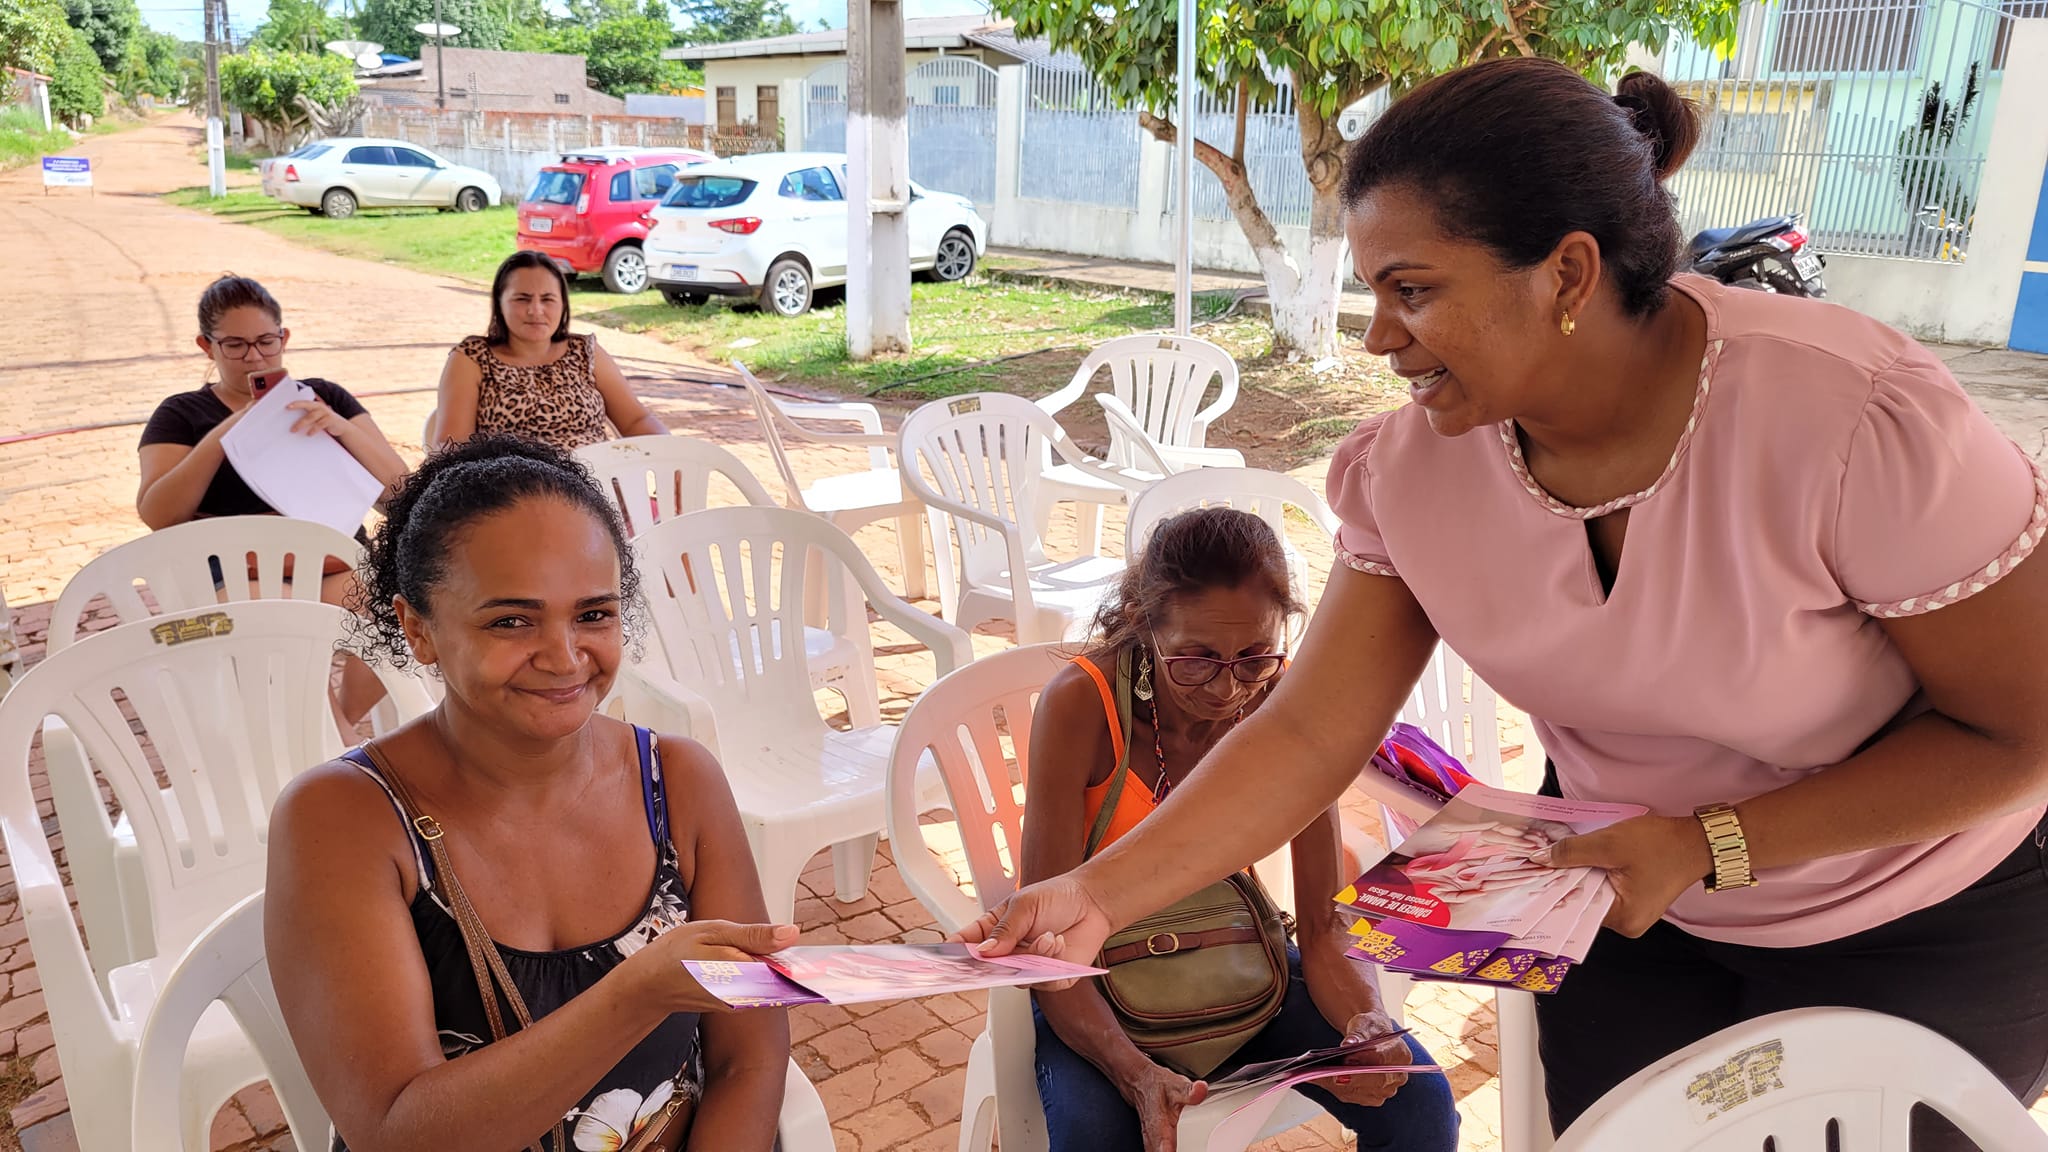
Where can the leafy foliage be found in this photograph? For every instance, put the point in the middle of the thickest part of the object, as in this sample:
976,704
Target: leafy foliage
390,23
621,43
156,66
77,85
1930,173
31,32
267,86
299,26
723,21
110,26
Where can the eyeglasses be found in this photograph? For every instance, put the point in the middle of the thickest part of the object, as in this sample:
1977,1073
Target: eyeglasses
236,349
1195,671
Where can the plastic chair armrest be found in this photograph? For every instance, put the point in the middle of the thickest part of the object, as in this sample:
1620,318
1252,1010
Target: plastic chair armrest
654,699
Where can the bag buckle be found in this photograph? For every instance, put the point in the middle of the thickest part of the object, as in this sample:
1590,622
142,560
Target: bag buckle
427,827
1153,947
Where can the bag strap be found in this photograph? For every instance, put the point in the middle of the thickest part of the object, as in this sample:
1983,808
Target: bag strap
1117,744
484,960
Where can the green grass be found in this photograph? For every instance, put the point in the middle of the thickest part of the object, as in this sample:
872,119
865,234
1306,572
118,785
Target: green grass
23,141
468,245
959,329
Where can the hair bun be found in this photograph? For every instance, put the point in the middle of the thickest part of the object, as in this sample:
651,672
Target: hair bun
1670,122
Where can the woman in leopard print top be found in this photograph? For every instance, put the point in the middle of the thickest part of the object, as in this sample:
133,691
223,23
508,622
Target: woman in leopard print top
528,376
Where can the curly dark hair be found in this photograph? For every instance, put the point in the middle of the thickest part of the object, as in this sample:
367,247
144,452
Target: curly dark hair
457,486
1193,552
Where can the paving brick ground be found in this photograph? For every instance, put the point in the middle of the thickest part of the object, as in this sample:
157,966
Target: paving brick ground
107,285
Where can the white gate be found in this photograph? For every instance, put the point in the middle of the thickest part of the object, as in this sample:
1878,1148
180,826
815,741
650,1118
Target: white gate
953,127
825,109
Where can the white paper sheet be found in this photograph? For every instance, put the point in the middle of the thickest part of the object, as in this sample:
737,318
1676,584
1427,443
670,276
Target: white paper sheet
304,477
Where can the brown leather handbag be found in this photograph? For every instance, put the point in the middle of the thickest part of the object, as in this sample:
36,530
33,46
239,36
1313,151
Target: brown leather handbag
663,1133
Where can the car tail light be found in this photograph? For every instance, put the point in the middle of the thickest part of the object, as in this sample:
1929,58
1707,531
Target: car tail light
583,204
647,218
739,226
291,173
1794,239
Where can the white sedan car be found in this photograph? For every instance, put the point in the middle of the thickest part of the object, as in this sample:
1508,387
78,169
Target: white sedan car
773,228
334,177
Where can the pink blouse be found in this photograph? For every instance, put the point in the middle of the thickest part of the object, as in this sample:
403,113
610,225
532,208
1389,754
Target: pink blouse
1833,473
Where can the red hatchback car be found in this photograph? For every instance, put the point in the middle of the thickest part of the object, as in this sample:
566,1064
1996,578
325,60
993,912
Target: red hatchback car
587,212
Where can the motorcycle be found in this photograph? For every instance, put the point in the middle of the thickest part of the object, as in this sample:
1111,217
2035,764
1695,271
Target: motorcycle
1769,255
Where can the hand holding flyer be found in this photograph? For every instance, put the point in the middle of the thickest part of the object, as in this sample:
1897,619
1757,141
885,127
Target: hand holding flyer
863,974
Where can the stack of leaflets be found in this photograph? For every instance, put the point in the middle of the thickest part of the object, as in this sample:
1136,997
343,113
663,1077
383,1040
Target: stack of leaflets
1463,899
869,973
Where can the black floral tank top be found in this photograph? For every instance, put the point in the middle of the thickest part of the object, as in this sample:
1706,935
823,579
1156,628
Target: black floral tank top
665,1063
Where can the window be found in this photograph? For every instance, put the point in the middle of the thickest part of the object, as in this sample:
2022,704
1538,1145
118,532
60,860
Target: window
407,158
458,93
2009,11
561,97
708,192
826,94
653,183
767,107
369,154
728,110
946,94
310,152
1741,142
622,187
555,186
1848,36
810,184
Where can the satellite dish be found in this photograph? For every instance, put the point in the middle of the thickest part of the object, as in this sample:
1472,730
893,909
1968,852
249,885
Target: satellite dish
437,31
370,61
355,49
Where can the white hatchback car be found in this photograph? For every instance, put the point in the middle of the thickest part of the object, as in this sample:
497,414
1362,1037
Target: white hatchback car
334,177
773,227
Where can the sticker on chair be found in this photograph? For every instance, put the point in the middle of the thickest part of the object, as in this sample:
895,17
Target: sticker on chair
964,405
1736,1081
202,627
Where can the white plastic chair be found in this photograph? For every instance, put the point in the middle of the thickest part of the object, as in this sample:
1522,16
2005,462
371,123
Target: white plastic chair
655,478
985,454
724,585
233,700
176,566
226,963
1160,381
1148,453
855,499
1786,1079
961,724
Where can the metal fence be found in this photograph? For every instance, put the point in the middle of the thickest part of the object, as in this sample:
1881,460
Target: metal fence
825,109
1076,144
1272,156
952,127
1870,118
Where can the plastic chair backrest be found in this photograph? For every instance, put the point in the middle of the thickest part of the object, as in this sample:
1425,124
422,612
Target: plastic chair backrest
654,478
975,725
1802,1081
1266,495
1468,730
985,453
225,963
177,566
770,418
1162,379
232,701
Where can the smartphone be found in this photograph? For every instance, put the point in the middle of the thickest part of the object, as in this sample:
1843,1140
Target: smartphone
262,382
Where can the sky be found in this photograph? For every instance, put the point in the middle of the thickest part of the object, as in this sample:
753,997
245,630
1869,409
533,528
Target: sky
184,19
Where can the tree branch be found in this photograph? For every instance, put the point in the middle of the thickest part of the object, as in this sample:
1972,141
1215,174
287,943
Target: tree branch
1514,30
1244,99
1237,186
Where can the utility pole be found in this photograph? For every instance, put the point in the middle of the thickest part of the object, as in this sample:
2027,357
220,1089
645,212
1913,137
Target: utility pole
440,73
216,156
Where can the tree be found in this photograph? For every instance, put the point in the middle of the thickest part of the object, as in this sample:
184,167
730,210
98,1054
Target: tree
157,66
620,42
77,84
1930,173
723,21
1336,52
267,86
110,27
298,26
390,23
31,32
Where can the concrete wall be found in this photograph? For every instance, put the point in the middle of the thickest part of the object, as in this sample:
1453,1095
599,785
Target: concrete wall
746,75
1972,302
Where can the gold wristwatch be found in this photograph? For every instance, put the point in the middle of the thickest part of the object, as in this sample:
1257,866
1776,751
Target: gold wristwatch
1730,849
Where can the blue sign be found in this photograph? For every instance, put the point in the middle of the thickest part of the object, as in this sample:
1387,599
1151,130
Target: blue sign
67,172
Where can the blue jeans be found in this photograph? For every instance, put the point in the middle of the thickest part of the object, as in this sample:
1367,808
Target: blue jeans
1084,1112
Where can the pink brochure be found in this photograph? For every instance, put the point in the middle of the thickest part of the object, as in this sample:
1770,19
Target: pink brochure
867,973
1241,1128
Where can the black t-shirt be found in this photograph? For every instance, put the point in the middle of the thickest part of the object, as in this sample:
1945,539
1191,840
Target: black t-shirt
187,417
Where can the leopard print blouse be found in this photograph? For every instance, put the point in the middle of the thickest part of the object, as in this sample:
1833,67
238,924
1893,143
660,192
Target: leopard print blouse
557,403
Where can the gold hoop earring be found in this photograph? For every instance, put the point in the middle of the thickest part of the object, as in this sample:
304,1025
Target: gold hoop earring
1566,324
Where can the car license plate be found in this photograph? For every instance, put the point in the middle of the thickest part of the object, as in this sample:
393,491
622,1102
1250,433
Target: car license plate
540,224
682,272
1807,265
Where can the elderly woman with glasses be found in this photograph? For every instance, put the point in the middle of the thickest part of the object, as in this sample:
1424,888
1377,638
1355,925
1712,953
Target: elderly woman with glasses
185,472
1185,649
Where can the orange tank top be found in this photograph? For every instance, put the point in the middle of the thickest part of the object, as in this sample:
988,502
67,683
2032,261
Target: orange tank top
1135,803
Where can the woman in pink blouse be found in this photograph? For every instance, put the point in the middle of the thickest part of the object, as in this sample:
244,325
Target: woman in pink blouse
1755,562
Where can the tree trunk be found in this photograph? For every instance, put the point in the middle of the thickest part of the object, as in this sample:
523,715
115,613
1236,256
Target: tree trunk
1303,297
